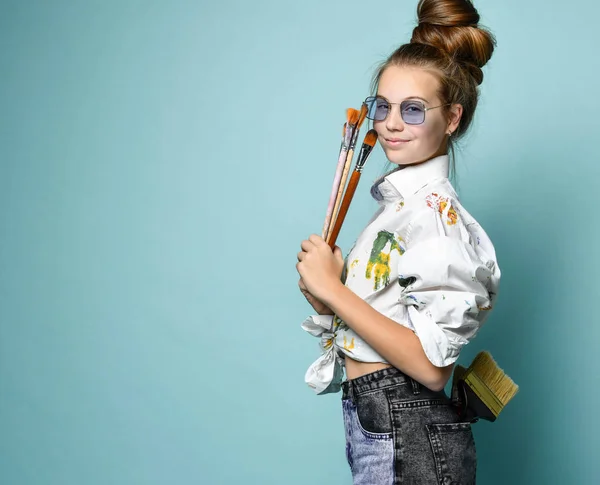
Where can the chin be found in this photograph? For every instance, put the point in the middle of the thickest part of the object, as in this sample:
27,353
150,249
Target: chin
408,157
399,158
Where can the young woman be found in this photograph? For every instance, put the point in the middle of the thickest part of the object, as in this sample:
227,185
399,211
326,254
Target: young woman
421,277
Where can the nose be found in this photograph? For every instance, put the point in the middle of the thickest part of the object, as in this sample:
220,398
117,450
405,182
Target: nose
394,121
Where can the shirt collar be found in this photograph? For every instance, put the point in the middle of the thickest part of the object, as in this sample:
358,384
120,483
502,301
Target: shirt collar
407,180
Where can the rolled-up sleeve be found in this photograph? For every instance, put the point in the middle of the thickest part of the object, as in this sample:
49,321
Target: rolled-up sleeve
448,281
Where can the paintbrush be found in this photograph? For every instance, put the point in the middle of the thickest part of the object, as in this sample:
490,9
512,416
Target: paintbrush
482,390
349,157
352,119
365,151
343,136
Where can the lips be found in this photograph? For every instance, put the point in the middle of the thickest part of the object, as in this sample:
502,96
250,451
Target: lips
395,142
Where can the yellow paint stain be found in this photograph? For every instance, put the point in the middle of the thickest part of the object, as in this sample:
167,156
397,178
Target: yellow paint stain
401,245
338,324
378,266
380,269
452,215
348,346
440,203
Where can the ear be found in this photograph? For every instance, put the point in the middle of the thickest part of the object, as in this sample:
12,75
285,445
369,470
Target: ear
454,116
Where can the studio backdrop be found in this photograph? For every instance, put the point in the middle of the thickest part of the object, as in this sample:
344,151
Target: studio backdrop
160,163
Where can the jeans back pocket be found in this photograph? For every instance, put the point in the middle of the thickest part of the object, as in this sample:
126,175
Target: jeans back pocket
454,453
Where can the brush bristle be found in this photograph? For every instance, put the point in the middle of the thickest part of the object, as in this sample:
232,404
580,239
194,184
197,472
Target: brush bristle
350,115
371,138
354,117
362,116
485,367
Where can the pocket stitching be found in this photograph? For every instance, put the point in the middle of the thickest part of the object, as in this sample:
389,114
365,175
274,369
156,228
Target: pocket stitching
422,403
433,432
370,434
438,457
451,427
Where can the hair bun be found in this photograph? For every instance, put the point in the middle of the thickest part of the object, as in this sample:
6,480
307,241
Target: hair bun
452,26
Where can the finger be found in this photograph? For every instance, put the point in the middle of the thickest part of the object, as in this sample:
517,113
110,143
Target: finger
316,240
307,245
300,255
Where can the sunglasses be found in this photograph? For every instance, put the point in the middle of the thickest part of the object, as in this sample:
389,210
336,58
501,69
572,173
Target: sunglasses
412,111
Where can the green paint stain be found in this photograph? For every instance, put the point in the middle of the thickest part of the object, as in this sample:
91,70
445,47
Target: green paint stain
379,261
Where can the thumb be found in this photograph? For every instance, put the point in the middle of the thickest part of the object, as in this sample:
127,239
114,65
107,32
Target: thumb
337,252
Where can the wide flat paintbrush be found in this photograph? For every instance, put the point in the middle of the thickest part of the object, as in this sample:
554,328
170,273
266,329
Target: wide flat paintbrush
365,151
349,157
482,390
352,116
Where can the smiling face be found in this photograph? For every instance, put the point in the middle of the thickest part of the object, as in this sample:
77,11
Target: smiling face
406,144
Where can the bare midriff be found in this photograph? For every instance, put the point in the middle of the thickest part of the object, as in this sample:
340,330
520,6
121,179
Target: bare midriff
356,369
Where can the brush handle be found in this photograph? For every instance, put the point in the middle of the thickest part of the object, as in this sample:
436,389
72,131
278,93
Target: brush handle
334,190
338,199
344,208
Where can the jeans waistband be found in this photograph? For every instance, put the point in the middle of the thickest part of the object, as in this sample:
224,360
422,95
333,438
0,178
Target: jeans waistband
380,379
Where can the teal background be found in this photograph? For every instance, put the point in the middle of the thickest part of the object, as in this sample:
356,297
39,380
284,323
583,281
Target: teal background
160,163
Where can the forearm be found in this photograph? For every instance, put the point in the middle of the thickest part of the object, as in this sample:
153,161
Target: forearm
398,344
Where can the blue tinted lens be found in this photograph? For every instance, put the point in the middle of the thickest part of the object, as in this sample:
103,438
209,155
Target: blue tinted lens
371,103
377,108
381,109
412,112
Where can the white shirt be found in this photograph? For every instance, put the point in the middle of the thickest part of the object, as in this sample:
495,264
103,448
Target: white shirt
422,261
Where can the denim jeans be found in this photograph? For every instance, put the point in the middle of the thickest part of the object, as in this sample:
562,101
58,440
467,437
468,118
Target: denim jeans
400,432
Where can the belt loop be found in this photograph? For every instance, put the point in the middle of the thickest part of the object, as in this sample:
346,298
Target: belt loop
351,392
416,387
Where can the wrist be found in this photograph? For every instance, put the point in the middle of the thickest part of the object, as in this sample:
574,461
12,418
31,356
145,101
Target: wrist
326,312
332,296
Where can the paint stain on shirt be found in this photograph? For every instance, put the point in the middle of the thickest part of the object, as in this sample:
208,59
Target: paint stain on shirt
440,204
348,345
338,324
378,266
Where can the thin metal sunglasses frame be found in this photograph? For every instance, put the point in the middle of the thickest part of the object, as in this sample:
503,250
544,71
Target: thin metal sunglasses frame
371,99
